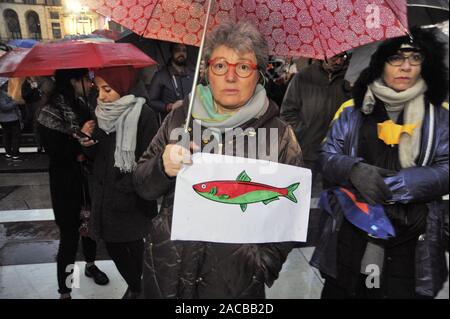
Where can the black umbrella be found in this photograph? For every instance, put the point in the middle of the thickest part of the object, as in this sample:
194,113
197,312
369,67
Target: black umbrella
427,12
158,50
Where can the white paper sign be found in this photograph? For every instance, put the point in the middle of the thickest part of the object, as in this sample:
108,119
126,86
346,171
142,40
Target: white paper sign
236,200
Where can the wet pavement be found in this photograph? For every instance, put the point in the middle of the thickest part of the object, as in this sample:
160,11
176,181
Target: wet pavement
30,162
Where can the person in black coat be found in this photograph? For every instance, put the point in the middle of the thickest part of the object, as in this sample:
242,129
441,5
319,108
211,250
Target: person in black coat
171,84
312,98
36,92
57,121
124,127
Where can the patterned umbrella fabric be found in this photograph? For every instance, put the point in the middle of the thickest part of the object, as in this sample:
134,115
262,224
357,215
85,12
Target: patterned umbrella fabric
315,29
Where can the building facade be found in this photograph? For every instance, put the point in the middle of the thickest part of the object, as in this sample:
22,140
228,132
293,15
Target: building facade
46,20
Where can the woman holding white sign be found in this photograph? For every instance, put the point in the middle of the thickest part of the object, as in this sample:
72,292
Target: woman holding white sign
236,56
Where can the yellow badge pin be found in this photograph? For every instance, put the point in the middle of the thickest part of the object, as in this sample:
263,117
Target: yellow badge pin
390,133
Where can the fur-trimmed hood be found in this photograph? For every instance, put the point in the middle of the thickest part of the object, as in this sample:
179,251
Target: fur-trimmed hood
434,69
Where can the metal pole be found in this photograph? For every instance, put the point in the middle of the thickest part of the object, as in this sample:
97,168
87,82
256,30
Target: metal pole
197,67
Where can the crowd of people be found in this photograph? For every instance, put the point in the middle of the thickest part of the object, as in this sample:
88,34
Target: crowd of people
108,140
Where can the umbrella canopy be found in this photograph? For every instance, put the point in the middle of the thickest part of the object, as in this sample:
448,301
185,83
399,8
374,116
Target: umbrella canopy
360,60
23,43
45,59
315,29
11,60
427,12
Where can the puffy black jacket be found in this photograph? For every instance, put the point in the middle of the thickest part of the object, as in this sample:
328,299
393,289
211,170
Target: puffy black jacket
423,184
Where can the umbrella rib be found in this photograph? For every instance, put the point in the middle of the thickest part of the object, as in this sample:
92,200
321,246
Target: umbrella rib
197,67
427,6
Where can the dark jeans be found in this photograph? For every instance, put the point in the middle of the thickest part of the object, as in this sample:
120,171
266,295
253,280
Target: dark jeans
128,258
11,137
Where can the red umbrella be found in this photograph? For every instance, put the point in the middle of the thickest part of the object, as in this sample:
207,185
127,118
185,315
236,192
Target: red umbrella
306,28
45,59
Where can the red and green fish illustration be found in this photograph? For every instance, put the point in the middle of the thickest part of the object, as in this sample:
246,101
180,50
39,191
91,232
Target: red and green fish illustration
243,192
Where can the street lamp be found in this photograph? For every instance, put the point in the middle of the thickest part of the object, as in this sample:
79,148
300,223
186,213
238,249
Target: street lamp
74,9
73,6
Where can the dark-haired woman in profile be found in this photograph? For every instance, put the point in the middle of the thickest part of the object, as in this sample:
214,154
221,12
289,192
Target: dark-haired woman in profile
57,123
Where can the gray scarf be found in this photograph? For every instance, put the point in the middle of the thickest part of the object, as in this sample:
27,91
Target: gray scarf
412,101
122,117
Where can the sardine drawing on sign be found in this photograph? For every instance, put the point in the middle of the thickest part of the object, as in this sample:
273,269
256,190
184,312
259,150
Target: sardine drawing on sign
243,191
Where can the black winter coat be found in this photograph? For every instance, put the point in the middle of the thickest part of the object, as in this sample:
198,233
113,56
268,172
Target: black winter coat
312,98
65,175
168,87
118,213
64,169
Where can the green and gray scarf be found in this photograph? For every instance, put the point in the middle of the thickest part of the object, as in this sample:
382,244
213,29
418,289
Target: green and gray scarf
204,110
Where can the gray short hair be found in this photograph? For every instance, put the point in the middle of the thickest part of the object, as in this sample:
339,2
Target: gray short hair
242,37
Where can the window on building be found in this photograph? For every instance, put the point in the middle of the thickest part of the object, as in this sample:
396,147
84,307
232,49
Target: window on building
54,15
34,25
7,1
56,30
29,1
53,3
12,22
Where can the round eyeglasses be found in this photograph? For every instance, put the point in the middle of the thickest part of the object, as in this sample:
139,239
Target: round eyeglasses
220,66
414,59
